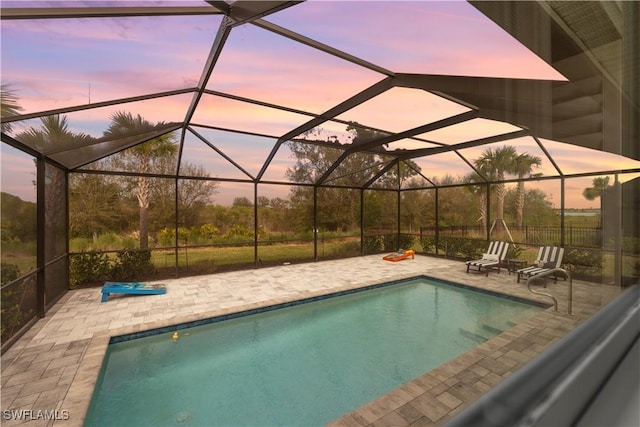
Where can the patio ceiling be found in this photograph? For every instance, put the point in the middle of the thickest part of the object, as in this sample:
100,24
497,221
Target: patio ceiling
238,83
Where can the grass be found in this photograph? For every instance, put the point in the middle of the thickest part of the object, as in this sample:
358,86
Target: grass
240,255
592,221
23,255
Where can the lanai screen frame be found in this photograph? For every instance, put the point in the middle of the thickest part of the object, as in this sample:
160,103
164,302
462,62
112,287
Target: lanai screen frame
477,94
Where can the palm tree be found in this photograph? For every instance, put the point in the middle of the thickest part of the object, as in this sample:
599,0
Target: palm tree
494,164
140,158
600,184
54,131
479,191
10,107
523,166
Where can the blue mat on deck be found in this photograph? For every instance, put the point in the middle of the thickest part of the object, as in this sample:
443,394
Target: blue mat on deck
133,288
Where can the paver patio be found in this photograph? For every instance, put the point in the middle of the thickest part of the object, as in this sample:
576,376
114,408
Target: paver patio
54,366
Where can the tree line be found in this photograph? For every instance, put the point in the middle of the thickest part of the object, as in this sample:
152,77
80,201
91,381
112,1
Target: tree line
143,204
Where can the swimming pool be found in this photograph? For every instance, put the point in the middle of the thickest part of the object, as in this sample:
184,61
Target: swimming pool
303,364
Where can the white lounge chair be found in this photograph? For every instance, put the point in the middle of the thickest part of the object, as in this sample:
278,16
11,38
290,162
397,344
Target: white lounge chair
549,257
495,255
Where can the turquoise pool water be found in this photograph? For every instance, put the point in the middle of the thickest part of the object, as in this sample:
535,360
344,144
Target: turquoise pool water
301,365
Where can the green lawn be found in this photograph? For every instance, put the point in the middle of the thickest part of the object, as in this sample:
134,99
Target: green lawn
268,253
587,221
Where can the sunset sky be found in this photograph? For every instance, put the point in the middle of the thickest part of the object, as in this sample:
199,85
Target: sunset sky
65,62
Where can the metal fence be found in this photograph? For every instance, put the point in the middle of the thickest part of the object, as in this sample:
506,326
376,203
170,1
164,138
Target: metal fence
18,306
528,234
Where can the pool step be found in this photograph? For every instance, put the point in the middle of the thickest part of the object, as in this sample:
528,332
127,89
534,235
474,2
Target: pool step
481,333
472,335
493,330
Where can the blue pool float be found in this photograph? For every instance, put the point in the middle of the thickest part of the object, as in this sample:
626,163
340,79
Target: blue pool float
133,288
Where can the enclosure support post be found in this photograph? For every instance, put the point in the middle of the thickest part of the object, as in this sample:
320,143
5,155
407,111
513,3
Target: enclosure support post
617,238
562,195
437,217
488,215
41,237
67,229
398,218
315,223
361,221
176,242
437,231
255,224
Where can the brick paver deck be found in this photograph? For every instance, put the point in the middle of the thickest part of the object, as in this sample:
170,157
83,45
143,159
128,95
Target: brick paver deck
54,366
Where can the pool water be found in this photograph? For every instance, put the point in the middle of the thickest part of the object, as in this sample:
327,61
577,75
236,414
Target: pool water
302,365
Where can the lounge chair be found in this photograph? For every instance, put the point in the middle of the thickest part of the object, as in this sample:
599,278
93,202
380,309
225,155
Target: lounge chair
495,255
549,257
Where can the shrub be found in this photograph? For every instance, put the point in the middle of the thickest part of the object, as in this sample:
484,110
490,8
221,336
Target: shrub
514,251
583,262
239,233
428,243
462,247
16,308
209,231
387,243
88,267
581,257
9,272
406,241
186,236
373,244
166,237
472,248
390,242
132,264
631,245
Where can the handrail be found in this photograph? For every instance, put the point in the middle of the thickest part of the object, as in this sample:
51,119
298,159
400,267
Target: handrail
555,301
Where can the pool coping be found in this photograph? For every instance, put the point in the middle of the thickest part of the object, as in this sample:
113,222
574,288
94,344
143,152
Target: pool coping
114,339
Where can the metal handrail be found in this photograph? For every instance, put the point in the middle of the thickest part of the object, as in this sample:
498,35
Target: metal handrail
555,301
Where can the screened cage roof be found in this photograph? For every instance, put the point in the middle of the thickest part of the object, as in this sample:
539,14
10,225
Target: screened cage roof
382,87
